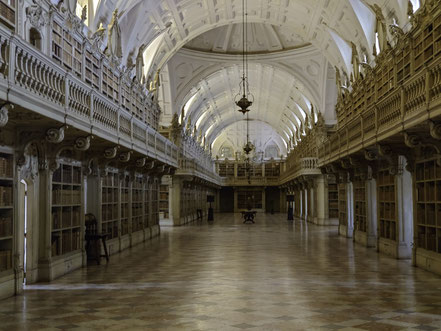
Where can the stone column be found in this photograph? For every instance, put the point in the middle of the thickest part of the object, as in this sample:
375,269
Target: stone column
371,205
311,202
350,209
321,214
45,244
404,195
217,201
175,200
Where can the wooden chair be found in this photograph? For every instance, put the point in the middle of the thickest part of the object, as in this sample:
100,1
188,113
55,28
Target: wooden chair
93,239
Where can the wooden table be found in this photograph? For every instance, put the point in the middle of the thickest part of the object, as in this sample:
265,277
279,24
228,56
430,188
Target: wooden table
248,216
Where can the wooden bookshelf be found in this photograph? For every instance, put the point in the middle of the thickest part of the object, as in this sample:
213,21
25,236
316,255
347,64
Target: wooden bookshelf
427,43
387,205
385,79
164,200
66,198
428,205
360,206
241,170
437,36
67,51
124,205
126,97
92,69
403,64
333,199
154,220
254,198
342,205
272,169
110,83
110,202
6,211
7,13
138,110
137,204
147,204
226,169
256,170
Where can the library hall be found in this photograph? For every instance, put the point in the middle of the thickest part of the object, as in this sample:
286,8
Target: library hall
220,165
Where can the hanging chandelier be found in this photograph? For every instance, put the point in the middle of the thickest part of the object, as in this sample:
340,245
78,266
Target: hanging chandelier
244,99
249,147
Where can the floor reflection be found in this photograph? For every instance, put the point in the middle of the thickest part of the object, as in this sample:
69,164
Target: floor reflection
272,275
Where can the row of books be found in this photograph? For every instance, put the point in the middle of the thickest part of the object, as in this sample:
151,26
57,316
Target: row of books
136,210
137,224
109,213
6,167
64,197
67,242
110,195
65,218
67,174
5,260
5,226
110,180
5,196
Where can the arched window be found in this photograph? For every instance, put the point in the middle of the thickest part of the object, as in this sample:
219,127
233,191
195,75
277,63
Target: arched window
272,151
35,38
226,152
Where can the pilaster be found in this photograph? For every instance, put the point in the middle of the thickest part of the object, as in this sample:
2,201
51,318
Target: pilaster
404,210
175,200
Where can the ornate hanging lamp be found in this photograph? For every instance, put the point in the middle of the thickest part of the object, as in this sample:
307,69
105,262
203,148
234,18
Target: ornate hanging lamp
244,99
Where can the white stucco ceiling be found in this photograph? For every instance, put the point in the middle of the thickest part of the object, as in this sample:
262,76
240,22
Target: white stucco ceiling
261,38
297,42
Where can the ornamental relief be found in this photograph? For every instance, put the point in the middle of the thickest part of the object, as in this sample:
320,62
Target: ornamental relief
35,15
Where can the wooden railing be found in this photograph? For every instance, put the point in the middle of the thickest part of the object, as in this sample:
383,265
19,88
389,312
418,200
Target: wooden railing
32,80
415,101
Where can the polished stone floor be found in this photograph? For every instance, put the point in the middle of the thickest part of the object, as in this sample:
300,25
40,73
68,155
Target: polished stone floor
272,275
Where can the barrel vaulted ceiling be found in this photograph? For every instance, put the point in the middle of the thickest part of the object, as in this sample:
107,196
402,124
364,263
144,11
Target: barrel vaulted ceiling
295,45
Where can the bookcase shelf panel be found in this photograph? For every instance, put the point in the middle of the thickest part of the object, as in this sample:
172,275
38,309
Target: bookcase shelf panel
250,198
8,13
360,207
109,207
66,199
164,200
125,196
6,211
332,198
387,205
342,204
428,204
66,50
137,204
154,187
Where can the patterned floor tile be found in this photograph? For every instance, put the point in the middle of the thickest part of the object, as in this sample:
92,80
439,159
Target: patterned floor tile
272,275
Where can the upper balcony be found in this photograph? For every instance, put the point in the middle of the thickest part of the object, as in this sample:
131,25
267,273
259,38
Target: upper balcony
238,173
77,85
402,92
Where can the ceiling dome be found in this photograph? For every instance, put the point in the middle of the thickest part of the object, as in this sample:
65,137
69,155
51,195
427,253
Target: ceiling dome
262,38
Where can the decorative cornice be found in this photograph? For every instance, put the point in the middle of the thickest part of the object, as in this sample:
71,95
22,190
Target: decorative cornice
110,153
56,136
83,143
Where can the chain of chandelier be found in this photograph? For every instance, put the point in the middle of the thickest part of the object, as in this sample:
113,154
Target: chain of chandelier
244,99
